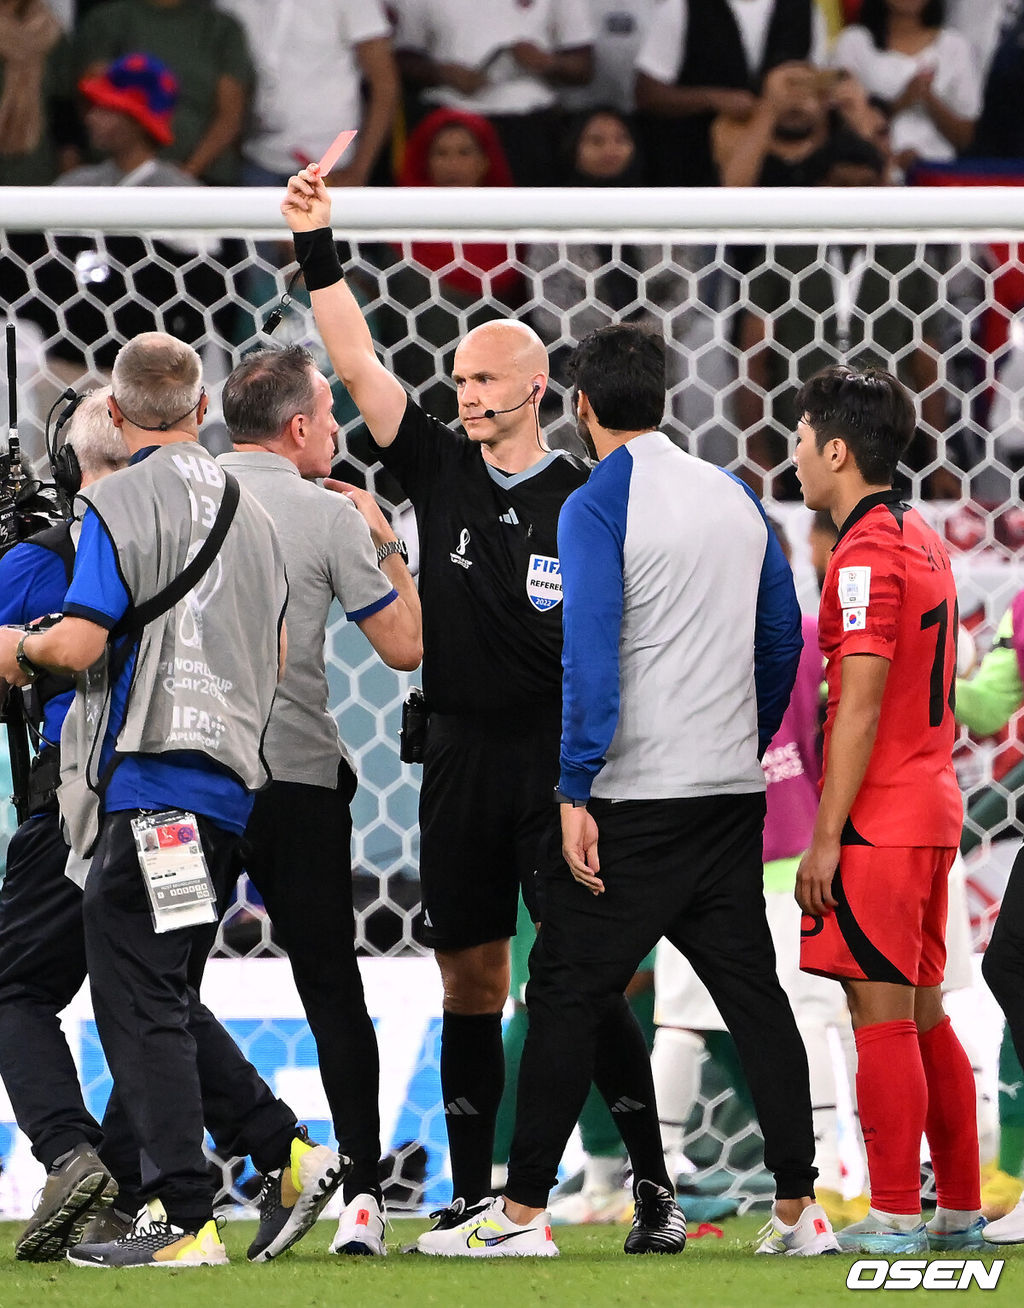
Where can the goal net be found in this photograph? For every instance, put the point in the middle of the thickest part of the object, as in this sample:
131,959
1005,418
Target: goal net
754,291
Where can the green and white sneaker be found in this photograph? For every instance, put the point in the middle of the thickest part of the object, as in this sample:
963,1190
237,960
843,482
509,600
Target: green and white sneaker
810,1236
489,1233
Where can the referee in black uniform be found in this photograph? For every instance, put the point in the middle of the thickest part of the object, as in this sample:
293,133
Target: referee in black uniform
487,504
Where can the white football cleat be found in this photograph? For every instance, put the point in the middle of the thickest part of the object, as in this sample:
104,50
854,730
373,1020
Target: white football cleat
488,1232
361,1228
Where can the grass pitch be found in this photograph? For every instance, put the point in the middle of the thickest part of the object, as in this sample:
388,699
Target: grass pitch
591,1273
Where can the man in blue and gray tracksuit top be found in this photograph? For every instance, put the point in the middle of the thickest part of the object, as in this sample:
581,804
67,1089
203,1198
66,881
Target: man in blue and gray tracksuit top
681,642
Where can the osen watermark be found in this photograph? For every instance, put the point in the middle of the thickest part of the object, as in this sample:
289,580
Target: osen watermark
915,1273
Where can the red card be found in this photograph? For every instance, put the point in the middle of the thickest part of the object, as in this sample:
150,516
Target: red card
334,152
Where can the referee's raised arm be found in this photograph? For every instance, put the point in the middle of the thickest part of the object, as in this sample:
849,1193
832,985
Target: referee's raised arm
379,397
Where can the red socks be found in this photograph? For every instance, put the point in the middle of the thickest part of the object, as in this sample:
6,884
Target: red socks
952,1122
892,1097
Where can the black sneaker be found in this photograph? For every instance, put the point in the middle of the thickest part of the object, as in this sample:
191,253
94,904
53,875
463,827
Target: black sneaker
293,1197
76,1187
153,1241
659,1225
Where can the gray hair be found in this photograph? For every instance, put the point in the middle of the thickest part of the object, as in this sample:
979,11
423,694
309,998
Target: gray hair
157,380
98,445
267,390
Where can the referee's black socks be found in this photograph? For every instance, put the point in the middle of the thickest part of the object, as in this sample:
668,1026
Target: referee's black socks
472,1080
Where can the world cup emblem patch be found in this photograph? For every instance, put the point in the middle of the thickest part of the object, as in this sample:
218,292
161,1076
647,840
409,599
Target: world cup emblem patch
544,582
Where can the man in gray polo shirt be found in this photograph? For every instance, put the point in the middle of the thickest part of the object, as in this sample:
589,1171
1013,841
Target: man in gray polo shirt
277,407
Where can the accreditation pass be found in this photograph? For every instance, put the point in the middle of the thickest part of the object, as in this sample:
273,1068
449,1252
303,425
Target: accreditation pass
174,870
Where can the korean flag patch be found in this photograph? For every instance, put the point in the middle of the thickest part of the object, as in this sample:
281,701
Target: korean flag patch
854,587
855,619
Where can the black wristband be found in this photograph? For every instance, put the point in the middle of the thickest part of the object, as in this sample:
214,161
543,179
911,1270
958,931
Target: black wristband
318,258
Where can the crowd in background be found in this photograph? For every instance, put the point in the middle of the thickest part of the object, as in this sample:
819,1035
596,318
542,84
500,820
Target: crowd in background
720,92
596,93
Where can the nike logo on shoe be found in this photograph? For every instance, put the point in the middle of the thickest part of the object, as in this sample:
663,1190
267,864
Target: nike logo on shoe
476,1240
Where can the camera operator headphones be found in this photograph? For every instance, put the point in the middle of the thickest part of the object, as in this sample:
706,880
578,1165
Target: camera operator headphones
64,465
67,473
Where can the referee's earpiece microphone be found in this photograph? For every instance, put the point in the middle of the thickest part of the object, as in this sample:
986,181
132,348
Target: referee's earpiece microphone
493,413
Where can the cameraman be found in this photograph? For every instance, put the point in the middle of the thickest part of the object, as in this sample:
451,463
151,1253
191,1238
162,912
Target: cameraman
42,950
159,543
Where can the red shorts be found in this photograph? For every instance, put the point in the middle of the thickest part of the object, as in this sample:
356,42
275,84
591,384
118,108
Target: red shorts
890,923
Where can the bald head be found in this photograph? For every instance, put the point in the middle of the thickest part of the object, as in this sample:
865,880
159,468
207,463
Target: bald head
501,374
518,343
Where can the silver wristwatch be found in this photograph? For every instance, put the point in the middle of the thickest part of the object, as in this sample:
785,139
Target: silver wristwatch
392,547
29,669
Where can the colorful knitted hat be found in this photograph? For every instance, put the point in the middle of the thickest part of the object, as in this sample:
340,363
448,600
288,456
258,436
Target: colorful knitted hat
140,86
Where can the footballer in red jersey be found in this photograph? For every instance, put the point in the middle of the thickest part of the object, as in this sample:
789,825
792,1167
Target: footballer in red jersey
873,882
889,591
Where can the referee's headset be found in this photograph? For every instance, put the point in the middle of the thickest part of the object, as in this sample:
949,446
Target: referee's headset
493,413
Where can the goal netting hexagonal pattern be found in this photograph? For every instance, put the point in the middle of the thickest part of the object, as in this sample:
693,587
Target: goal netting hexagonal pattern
754,291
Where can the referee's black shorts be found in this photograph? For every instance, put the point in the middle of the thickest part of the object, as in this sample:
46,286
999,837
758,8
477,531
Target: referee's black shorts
486,805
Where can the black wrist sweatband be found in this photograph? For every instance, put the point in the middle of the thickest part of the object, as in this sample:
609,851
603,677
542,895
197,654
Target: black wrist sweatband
318,258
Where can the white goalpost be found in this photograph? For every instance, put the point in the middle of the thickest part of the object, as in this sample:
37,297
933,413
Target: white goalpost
754,290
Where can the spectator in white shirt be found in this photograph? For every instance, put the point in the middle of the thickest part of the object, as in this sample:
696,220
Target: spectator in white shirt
902,52
505,62
312,59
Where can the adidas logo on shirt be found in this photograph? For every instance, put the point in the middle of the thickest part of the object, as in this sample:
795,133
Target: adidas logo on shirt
509,518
